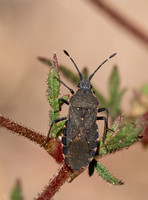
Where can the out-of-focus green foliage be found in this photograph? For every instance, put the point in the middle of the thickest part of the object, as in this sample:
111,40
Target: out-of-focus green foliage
144,89
115,94
16,192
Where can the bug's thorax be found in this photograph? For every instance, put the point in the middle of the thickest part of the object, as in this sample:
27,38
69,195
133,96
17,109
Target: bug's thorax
84,96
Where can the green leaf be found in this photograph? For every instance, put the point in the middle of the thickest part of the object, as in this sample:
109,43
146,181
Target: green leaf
124,135
115,94
101,98
53,94
45,61
104,173
70,75
16,192
114,108
85,73
114,84
144,89
53,88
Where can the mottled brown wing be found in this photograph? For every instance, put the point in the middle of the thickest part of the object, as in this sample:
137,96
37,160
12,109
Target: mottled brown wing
81,138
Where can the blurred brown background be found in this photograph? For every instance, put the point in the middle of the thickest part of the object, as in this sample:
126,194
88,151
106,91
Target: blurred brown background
39,28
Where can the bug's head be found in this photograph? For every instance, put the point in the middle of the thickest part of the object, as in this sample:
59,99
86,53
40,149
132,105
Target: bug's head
85,84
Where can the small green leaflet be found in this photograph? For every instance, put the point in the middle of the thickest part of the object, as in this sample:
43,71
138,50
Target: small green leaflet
125,134
53,94
104,173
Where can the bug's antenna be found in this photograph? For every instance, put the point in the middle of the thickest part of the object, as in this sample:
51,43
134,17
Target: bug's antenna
71,90
101,65
67,54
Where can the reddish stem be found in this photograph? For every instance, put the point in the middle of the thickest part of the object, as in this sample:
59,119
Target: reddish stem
53,147
55,184
129,25
21,130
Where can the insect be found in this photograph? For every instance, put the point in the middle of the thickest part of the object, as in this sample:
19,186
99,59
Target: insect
80,134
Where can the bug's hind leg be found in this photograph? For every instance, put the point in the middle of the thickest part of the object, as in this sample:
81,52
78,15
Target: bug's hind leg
106,128
91,167
106,123
55,121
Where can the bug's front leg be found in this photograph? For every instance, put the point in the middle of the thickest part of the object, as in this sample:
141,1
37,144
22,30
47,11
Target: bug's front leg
61,101
55,121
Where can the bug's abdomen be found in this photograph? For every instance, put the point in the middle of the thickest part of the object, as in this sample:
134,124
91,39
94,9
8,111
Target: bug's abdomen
80,138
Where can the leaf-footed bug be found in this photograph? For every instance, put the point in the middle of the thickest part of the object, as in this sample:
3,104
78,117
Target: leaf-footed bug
80,135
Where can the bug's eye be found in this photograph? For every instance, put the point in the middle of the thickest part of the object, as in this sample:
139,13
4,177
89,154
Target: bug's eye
79,85
90,86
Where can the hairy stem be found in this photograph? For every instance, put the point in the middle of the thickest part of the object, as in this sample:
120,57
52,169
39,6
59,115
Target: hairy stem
21,130
55,183
53,147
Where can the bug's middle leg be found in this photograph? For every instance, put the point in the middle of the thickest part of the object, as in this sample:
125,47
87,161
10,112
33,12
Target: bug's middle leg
102,110
55,121
105,127
105,120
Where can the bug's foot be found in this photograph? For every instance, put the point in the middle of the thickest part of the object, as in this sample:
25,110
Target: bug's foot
107,150
55,111
109,129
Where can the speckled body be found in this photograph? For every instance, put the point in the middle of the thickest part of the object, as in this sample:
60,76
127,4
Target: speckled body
80,134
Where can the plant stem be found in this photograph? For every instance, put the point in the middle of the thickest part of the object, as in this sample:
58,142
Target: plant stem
55,183
21,130
53,147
